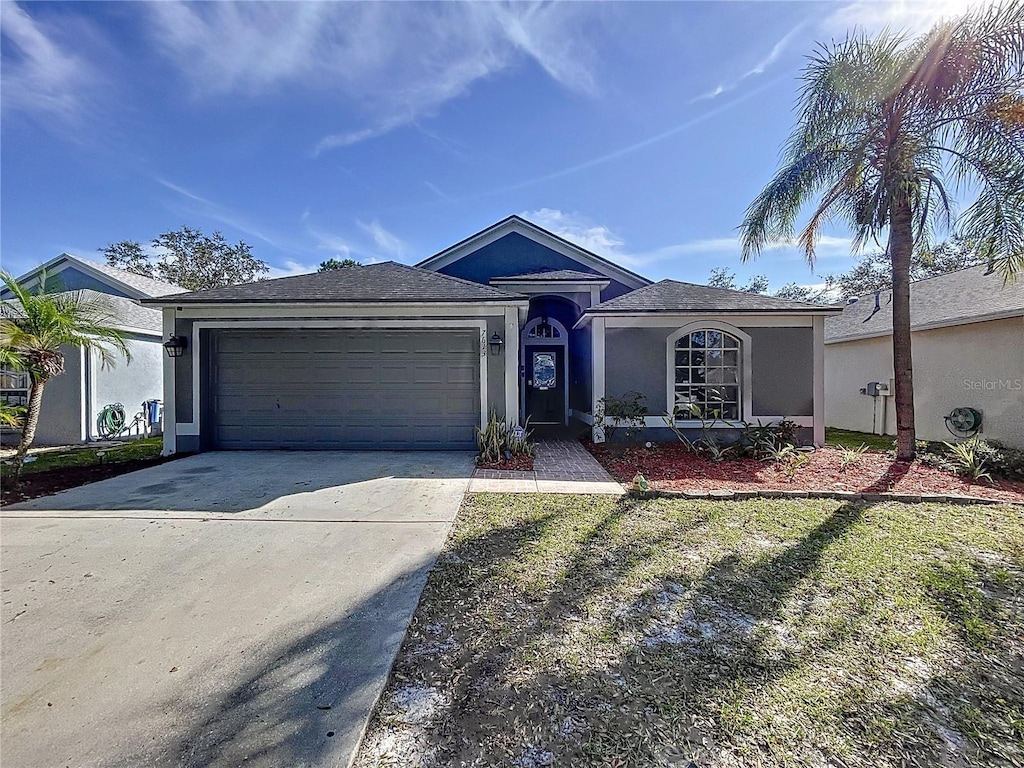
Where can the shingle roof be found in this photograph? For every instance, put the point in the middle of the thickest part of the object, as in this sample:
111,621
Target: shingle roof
676,296
146,285
957,298
122,313
388,282
562,275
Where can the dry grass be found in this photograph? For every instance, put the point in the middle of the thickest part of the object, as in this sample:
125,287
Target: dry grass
613,632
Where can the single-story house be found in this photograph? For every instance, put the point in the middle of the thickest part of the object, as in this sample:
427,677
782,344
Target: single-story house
73,401
513,320
967,344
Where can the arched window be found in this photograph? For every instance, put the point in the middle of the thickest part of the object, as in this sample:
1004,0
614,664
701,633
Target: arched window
706,373
543,330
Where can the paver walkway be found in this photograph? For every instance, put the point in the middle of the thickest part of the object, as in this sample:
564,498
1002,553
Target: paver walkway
560,466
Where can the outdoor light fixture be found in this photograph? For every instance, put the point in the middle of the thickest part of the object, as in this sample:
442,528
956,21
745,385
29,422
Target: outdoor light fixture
176,345
495,344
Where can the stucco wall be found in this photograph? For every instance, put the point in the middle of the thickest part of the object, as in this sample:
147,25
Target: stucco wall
781,360
980,365
128,383
60,419
514,254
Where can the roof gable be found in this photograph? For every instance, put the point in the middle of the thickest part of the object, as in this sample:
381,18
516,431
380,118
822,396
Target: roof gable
387,282
83,274
957,298
576,258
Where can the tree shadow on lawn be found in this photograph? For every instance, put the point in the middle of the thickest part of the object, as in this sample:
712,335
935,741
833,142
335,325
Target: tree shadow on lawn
690,662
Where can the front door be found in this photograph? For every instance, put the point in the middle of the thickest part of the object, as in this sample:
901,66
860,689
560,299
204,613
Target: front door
545,385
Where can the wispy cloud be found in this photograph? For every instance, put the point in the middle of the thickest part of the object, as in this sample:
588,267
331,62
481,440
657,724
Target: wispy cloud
45,77
758,69
604,242
386,242
373,57
910,16
223,215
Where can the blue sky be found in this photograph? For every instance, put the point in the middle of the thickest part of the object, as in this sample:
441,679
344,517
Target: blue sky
392,130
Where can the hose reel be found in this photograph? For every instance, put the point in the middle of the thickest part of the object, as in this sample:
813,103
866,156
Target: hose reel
964,422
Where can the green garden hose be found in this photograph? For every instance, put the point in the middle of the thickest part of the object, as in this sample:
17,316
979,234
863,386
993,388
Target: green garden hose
111,421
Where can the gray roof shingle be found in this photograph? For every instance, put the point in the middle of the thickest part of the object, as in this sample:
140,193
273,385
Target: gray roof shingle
559,275
387,282
957,298
676,296
146,285
121,313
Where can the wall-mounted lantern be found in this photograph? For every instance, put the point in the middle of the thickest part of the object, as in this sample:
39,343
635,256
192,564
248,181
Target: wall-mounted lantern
176,346
495,344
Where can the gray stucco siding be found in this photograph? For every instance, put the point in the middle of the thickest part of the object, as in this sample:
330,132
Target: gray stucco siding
61,415
129,382
515,254
782,362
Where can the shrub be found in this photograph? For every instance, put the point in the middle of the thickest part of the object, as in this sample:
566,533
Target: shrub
969,460
628,412
501,440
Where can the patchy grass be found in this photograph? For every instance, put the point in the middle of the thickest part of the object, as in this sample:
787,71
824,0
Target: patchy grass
87,456
580,630
844,438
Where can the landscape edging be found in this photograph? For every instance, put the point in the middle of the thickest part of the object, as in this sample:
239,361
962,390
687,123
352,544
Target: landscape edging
775,493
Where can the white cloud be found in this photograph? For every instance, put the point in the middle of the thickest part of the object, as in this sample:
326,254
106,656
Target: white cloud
291,268
44,77
758,69
604,242
910,16
385,241
392,62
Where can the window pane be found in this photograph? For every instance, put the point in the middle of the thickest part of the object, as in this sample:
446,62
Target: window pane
697,339
730,411
697,375
730,357
714,339
543,370
697,358
682,375
682,358
729,376
714,356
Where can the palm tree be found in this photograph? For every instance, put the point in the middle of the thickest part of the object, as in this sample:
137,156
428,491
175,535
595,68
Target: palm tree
34,329
887,128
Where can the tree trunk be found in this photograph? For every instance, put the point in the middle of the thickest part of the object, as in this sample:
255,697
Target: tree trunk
901,248
28,432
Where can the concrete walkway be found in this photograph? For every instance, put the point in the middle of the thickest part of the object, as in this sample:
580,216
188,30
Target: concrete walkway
560,466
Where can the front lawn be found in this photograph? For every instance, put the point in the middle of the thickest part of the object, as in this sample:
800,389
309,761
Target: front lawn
581,630
845,438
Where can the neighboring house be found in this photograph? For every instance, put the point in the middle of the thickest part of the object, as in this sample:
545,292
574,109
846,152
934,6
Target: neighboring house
967,337
73,401
513,320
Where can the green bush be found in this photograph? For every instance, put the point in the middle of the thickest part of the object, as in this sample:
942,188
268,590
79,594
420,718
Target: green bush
988,456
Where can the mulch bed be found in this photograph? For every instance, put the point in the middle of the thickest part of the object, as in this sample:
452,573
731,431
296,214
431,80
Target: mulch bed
518,463
670,467
36,484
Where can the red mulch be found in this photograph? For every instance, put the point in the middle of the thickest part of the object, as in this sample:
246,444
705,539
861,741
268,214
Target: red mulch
518,463
36,484
671,467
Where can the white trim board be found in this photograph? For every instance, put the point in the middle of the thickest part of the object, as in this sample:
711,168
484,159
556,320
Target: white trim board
193,428
659,421
539,235
675,319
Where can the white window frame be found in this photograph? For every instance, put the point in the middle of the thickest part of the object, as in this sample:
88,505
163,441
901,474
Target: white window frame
745,377
8,370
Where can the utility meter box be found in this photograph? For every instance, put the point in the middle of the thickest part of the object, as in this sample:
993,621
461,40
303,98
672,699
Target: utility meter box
876,388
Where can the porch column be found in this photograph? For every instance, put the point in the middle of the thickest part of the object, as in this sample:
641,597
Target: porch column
597,335
819,380
512,365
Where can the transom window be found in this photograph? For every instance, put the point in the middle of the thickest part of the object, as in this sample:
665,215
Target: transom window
14,386
543,330
707,375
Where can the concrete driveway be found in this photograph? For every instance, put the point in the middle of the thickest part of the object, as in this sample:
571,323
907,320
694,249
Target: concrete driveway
221,609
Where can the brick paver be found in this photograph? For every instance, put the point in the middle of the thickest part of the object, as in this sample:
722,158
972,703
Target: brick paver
559,466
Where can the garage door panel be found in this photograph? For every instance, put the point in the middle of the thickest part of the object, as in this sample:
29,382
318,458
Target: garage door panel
352,389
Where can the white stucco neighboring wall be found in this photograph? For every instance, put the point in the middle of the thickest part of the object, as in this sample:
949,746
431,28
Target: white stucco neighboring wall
977,365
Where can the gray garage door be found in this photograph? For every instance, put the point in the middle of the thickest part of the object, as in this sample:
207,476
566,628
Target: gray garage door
344,389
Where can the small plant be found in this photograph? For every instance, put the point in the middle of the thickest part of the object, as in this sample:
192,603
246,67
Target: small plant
763,441
791,461
628,413
501,440
850,456
969,459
